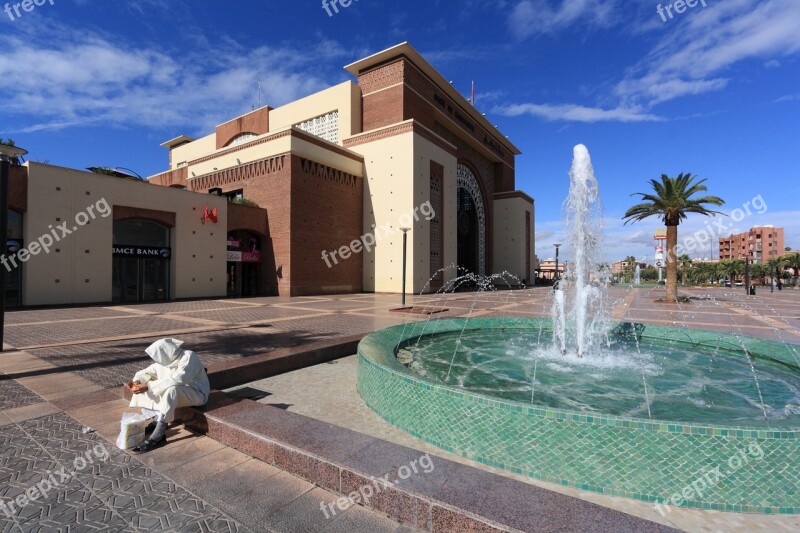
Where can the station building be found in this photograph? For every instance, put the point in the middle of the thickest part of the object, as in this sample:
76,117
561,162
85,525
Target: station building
329,183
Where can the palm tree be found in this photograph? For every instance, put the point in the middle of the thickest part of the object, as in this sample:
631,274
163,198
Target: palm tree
672,202
757,271
793,261
707,272
774,265
684,261
733,268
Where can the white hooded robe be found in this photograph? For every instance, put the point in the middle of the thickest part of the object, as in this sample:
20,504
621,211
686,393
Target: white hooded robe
176,379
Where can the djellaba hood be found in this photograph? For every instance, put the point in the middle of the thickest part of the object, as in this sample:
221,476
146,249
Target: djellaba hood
165,351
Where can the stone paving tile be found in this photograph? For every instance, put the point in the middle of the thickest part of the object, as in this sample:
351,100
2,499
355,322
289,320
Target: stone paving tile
24,316
109,364
338,325
177,307
104,488
336,305
246,314
66,332
14,395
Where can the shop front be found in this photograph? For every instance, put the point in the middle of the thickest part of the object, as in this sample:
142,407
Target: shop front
244,264
141,255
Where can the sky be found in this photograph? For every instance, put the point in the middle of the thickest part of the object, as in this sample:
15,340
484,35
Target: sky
713,91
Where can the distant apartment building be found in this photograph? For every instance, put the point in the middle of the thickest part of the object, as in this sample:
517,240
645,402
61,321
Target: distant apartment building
624,266
760,244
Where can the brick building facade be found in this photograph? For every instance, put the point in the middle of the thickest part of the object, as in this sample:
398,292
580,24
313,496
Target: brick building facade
360,158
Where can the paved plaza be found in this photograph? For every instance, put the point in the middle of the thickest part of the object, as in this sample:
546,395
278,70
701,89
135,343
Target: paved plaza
62,370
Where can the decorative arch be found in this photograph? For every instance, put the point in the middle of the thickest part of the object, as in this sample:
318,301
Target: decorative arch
465,179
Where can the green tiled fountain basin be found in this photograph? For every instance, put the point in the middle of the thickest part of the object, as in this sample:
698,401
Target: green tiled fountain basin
668,463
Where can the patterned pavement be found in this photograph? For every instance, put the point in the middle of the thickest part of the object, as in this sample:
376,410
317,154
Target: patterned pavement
87,484
71,361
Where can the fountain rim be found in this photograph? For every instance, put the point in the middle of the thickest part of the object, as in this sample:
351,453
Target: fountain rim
375,349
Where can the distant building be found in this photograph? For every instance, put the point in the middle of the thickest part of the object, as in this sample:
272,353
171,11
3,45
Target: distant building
547,268
624,266
760,244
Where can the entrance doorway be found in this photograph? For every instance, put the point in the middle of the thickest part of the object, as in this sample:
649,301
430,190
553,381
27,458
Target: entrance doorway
244,264
141,262
139,279
467,220
471,222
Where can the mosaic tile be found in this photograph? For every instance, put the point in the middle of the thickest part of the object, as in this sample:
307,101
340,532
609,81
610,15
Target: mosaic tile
646,460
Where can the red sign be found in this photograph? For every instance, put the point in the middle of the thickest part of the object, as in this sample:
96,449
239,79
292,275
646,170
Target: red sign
209,215
244,257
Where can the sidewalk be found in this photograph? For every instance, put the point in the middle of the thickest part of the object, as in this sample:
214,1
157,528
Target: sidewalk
193,484
70,363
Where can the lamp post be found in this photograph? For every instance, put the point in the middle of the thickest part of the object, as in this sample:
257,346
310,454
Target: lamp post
747,273
405,240
4,165
555,276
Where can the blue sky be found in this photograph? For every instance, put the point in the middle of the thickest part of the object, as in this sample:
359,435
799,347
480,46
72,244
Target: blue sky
714,91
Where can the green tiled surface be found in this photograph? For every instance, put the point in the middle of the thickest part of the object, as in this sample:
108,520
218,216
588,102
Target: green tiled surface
731,468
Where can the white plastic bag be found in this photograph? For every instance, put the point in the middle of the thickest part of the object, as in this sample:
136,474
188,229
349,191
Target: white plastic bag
131,430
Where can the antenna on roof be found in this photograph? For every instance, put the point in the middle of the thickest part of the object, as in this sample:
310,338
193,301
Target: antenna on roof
259,93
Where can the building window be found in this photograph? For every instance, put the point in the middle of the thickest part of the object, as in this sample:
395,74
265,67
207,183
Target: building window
324,126
242,138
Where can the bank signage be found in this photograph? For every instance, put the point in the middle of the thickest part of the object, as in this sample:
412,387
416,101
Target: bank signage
127,250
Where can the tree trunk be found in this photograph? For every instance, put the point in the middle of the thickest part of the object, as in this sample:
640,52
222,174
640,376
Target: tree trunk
672,264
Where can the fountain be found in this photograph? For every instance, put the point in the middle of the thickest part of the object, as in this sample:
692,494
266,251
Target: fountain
631,410
584,227
637,276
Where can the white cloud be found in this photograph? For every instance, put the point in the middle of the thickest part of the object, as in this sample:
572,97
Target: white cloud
65,77
534,17
696,53
576,113
693,55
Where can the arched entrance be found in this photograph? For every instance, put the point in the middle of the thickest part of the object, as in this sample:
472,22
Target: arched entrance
471,222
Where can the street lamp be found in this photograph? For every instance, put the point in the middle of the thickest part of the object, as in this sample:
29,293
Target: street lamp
555,276
747,273
405,240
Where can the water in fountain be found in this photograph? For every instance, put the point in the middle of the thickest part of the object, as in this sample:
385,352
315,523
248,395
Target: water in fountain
637,275
579,314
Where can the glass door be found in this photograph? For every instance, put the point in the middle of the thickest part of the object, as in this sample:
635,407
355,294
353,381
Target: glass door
155,273
130,279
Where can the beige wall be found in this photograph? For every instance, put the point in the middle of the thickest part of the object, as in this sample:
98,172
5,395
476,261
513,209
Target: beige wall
198,251
388,193
397,181
194,150
425,152
509,237
345,97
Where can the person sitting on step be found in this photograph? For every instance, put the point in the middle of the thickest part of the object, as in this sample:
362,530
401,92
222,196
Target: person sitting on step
176,379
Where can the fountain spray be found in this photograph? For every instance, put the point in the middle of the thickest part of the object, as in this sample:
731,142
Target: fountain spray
586,314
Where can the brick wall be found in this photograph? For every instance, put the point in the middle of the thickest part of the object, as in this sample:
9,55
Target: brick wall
18,189
326,214
255,122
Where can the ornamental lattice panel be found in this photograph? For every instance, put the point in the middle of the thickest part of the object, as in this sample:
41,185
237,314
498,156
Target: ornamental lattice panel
324,126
